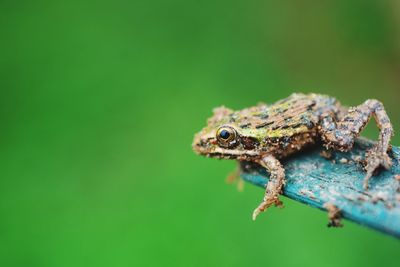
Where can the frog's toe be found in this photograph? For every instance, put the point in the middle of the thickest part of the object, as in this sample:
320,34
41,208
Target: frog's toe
279,204
233,176
374,159
256,212
262,207
266,204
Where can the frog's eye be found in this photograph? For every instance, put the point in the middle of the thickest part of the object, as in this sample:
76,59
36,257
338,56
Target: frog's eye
226,135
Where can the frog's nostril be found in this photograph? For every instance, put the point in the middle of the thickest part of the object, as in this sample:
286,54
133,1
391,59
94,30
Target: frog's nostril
202,142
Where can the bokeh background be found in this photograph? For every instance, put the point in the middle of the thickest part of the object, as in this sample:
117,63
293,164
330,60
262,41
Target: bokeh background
99,101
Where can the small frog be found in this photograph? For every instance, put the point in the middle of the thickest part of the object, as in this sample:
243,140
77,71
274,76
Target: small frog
267,133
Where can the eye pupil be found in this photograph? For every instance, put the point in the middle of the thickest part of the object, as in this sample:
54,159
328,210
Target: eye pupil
226,137
224,134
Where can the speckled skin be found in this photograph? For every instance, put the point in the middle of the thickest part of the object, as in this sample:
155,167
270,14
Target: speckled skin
266,133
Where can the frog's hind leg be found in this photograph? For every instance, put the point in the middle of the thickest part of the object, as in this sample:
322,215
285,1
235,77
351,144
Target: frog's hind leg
274,186
234,176
342,134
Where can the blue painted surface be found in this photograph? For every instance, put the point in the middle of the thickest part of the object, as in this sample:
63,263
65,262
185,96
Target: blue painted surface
315,180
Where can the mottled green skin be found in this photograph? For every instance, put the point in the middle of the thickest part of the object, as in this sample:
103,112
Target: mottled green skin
281,128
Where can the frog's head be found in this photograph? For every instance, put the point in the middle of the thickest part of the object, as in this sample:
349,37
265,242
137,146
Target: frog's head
224,138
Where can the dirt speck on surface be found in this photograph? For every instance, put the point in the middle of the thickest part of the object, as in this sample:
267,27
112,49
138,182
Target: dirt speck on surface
361,198
357,158
307,193
380,196
334,215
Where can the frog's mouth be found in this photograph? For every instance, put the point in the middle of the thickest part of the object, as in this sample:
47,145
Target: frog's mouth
224,153
242,156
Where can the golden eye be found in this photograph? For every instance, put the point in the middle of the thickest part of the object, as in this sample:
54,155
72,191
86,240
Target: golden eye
225,135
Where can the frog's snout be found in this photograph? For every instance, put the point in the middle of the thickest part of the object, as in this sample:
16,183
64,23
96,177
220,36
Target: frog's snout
202,144
196,143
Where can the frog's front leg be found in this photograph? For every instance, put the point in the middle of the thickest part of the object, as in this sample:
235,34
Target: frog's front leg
274,185
342,134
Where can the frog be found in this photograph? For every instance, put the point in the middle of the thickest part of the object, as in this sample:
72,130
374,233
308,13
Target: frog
267,134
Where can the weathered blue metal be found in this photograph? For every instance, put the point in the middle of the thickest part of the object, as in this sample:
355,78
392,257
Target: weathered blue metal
315,180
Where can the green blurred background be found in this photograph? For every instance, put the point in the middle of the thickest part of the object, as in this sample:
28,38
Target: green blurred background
99,103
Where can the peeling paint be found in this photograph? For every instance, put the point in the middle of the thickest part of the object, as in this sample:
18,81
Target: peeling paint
314,180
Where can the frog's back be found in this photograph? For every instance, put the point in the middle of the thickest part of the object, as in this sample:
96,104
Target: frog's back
296,114
304,103
299,113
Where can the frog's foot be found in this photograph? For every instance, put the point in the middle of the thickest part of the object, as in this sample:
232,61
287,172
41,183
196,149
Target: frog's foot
267,202
374,159
240,185
233,177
